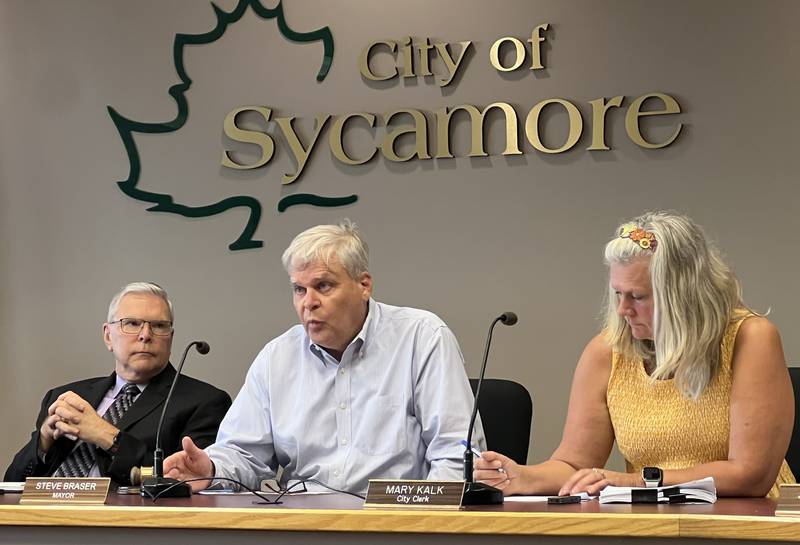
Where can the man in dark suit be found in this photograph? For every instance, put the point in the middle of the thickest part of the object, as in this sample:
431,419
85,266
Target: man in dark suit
106,425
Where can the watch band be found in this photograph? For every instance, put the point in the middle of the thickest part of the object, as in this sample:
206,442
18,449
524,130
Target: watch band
114,448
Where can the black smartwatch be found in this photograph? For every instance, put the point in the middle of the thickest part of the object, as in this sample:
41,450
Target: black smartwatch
114,448
653,477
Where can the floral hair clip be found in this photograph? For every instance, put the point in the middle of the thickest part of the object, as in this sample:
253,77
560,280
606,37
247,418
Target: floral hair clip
645,239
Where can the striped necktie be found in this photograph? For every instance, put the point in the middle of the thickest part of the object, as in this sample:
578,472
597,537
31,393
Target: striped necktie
79,462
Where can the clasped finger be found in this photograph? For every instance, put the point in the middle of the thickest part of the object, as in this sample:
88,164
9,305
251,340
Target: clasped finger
66,429
67,415
74,400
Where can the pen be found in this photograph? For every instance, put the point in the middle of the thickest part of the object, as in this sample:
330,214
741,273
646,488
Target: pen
477,453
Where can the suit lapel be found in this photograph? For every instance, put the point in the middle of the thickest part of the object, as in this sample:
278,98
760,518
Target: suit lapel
96,391
149,400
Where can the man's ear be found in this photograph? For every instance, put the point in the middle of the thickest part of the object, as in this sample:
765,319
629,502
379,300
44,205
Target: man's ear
366,285
107,336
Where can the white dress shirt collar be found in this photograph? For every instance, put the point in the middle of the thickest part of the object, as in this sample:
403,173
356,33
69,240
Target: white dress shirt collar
359,343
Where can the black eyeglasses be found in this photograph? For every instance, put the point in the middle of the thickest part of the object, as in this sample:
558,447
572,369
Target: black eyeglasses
297,488
134,326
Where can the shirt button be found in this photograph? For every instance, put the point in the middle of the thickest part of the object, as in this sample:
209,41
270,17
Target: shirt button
336,473
344,441
343,405
342,371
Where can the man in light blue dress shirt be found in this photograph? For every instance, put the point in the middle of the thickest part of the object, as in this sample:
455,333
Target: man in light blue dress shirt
357,390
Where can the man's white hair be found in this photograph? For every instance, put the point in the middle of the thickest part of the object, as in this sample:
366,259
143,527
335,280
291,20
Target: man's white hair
322,243
139,287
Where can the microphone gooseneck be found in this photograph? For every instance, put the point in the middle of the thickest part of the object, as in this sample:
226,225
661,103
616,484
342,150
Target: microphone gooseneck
478,493
203,348
157,483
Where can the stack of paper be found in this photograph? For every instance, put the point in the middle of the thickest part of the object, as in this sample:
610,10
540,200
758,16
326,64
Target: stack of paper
702,491
789,500
9,487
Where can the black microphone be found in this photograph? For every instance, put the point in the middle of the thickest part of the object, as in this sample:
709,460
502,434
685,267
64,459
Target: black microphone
508,318
480,493
158,484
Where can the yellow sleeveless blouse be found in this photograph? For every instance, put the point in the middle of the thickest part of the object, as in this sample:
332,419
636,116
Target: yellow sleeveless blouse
655,425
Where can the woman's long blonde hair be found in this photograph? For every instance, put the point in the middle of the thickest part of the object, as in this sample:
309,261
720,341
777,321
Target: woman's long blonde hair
695,295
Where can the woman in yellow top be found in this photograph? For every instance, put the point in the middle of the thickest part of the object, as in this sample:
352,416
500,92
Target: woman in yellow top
685,378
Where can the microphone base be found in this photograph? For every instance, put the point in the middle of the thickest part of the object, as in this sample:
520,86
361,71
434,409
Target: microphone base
164,487
481,494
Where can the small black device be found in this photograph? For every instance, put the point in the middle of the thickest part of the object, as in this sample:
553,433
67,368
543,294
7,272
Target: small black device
653,477
560,500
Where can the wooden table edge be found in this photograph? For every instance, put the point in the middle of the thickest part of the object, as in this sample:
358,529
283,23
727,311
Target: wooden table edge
343,520
766,528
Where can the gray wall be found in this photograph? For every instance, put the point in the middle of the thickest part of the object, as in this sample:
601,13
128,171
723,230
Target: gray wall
465,238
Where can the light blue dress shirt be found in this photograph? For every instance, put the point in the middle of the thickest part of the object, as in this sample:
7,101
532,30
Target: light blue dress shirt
395,407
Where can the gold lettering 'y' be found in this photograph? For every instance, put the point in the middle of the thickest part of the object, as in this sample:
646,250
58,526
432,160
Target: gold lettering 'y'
299,152
451,64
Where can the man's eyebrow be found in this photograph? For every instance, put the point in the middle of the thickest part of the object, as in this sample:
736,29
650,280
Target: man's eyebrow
324,277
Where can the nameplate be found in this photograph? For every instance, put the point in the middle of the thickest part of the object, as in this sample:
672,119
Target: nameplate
79,490
414,494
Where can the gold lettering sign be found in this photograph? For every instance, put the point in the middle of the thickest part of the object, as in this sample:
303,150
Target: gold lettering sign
410,58
418,130
437,62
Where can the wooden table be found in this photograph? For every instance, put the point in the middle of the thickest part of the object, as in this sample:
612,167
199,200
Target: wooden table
334,519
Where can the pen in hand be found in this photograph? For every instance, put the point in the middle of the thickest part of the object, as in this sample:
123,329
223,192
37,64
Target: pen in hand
477,453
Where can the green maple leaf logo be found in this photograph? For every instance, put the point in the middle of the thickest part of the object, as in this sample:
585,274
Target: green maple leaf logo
163,202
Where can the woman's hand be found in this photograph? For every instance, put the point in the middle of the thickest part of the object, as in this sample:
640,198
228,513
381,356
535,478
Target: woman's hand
592,481
498,471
